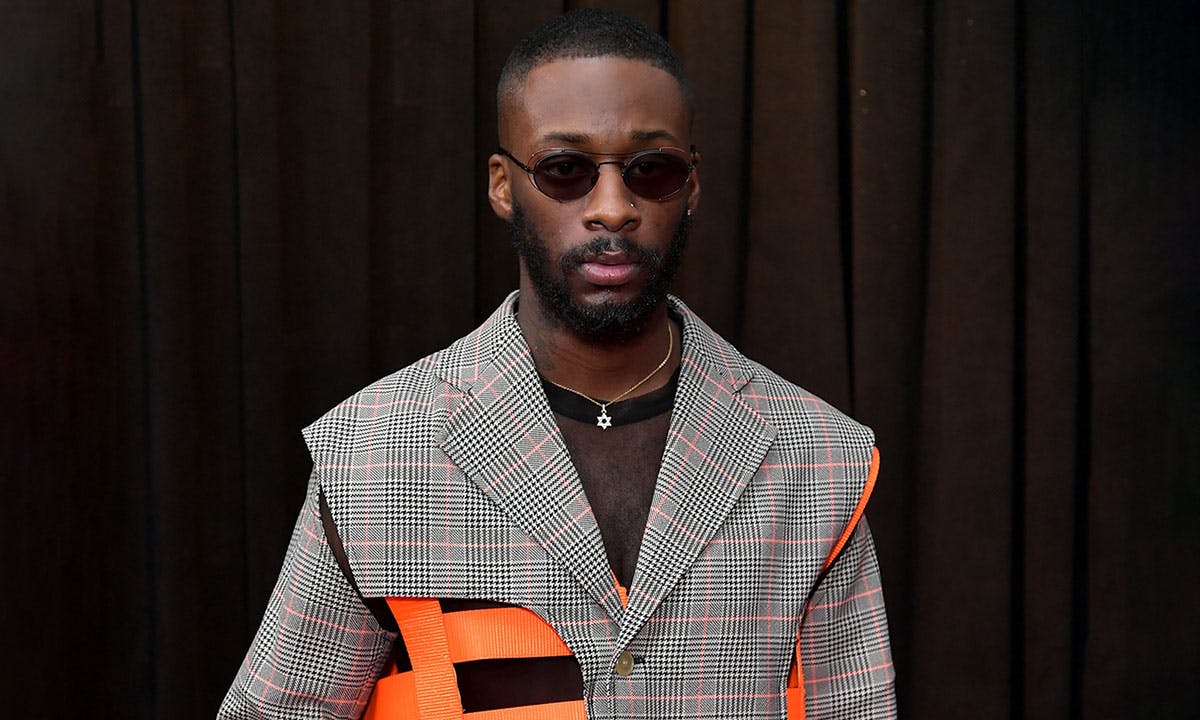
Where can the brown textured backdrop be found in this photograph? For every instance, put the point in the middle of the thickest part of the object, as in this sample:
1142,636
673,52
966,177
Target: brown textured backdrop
217,219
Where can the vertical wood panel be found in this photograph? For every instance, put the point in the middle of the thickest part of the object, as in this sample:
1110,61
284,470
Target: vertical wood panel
498,26
324,173
305,111
194,354
71,434
276,465
888,121
711,42
422,195
647,12
1054,82
794,297
961,583
111,476
1145,311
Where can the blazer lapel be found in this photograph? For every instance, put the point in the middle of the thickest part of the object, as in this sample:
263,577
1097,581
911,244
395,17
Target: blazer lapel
505,439
715,445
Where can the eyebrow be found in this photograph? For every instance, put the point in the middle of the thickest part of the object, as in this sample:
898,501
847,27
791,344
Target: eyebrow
575,138
644,135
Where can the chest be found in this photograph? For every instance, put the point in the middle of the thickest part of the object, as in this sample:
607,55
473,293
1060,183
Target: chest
618,468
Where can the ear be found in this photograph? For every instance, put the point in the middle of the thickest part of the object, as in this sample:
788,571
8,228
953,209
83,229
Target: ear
500,187
693,199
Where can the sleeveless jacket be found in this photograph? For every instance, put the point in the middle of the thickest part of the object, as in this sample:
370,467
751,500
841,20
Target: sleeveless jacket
450,479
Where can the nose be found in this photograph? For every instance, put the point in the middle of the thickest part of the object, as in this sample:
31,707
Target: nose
610,204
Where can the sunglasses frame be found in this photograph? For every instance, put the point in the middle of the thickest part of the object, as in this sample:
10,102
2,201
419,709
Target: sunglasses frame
540,155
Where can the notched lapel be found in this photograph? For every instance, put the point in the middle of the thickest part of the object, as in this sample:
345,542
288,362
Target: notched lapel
715,445
505,439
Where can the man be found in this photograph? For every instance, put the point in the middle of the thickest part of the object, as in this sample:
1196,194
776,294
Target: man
592,505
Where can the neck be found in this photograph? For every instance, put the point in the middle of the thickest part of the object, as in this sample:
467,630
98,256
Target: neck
600,369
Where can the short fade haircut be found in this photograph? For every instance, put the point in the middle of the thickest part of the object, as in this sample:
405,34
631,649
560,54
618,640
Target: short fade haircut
588,33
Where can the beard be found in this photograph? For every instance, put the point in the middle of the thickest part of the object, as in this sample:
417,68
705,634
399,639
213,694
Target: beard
610,321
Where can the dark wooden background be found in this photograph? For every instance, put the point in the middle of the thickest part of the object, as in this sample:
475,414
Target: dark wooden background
217,219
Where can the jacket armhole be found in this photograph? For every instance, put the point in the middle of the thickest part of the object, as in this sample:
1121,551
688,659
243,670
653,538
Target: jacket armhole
377,605
795,688
858,511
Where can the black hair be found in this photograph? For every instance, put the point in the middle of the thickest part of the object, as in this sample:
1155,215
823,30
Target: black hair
586,33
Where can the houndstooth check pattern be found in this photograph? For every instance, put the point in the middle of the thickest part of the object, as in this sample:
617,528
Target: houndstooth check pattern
450,479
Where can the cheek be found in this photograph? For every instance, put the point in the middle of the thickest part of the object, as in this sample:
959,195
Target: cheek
661,224
554,224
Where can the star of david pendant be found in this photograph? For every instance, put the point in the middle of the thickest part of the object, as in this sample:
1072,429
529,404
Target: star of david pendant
603,421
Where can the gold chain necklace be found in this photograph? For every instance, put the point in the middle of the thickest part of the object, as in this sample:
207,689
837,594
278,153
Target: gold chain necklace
603,421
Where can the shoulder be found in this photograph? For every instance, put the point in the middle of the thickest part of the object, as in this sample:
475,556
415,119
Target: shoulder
405,402
826,453
799,415
408,407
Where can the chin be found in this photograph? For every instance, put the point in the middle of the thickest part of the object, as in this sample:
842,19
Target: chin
598,313
609,297
608,316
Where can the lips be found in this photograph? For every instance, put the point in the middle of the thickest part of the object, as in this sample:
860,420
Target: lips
609,269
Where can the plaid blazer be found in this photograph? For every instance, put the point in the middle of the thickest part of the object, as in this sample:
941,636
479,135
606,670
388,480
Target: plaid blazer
450,478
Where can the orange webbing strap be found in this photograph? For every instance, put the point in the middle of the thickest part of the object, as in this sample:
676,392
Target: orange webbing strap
436,640
434,683
395,696
858,510
795,703
568,710
509,632
795,689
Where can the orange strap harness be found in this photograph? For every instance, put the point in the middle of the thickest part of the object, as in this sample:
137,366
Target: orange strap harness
437,640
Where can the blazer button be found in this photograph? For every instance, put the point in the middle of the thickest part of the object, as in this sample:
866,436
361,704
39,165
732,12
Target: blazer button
625,664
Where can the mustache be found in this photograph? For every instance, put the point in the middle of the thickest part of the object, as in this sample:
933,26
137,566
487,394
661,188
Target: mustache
606,244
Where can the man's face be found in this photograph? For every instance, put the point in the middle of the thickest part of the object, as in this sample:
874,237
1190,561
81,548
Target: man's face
600,263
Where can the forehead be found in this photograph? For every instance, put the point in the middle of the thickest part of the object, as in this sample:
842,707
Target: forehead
608,103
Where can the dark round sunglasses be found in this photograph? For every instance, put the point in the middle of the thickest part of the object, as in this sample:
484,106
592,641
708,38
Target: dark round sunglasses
565,174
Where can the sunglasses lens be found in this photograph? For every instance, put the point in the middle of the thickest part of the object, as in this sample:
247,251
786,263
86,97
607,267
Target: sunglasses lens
656,175
565,176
